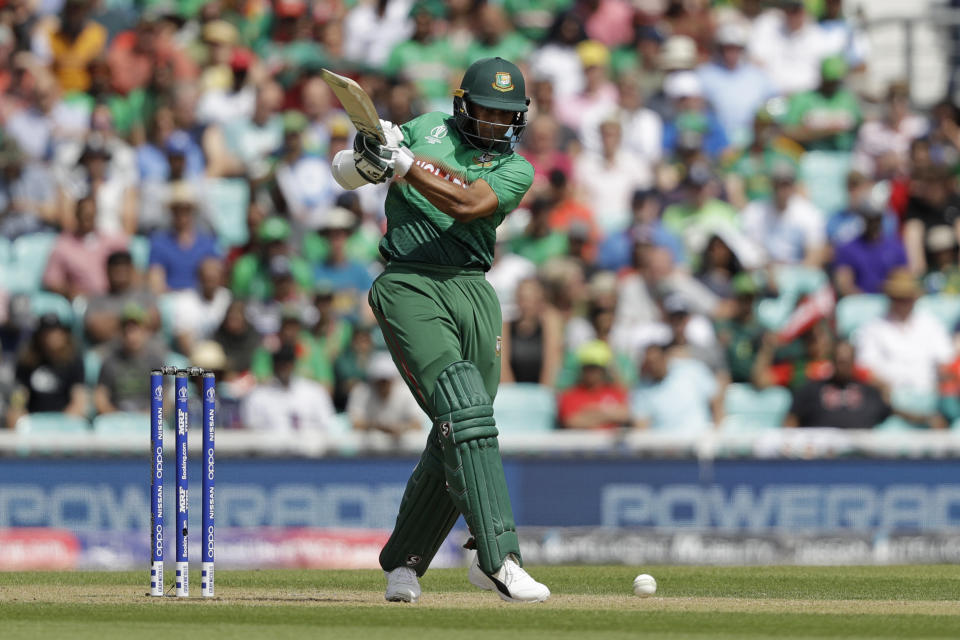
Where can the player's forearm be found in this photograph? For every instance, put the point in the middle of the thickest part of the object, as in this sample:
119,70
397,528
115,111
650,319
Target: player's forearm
463,205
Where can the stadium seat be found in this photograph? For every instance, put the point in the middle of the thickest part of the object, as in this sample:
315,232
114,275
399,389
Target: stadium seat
43,302
748,409
797,280
945,306
140,252
177,360
913,402
51,423
896,423
228,198
773,313
824,176
855,311
122,423
91,367
166,304
525,408
28,261
339,426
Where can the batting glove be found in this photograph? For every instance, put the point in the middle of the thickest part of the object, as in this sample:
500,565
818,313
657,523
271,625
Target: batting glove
374,161
392,133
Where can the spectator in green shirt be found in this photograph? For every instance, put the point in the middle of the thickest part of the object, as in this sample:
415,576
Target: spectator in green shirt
251,274
699,212
496,37
742,336
311,361
534,17
826,118
539,241
748,171
425,59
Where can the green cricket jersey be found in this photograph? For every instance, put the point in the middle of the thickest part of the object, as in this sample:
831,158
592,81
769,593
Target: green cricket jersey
419,232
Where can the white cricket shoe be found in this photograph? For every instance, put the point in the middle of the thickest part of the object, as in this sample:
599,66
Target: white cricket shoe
402,585
511,582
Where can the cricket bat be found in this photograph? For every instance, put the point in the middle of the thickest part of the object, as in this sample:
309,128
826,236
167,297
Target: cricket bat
356,103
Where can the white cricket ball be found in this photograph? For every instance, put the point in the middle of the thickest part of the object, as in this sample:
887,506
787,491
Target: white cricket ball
644,585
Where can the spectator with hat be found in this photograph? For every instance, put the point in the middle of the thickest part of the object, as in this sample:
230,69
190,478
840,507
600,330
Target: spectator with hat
77,262
122,385
862,265
825,118
49,373
678,54
732,86
597,400
287,403
904,349
691,116
346,276
597,93
381,403
176,254
789,228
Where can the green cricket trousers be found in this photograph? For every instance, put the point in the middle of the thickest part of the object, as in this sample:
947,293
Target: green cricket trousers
442,326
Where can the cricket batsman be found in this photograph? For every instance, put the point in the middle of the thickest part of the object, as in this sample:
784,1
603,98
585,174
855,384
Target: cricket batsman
454,180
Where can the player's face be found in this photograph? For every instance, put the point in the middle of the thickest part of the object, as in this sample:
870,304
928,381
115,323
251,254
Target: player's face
493,123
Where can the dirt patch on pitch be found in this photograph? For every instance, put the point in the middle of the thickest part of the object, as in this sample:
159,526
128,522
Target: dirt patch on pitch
254,597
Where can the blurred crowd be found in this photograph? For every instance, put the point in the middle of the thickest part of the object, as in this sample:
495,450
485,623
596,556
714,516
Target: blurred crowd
723,222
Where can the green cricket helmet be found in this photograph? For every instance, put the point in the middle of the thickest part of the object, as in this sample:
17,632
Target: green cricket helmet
493,83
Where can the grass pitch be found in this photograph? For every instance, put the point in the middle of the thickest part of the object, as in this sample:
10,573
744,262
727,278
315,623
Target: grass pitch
593,603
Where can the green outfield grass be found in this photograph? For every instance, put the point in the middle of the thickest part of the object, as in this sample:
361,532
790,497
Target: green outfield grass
588,602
